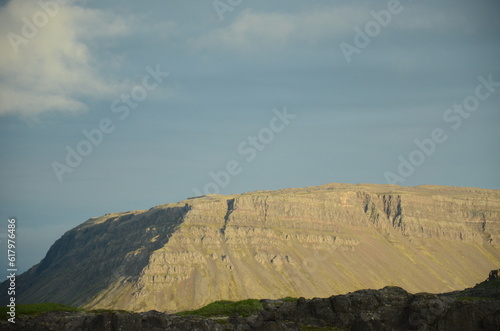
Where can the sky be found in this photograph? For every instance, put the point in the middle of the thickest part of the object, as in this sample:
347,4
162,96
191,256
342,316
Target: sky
109,106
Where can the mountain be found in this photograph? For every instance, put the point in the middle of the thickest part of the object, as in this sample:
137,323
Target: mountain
309,242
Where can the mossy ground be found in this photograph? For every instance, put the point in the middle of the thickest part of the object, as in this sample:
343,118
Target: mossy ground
289,299
243,308
38,308
41,308
489,283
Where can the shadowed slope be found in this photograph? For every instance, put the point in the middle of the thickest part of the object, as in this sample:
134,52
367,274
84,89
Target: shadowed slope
108,251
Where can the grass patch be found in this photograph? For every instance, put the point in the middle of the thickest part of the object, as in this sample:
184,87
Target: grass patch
38,308
42,308
243,308
289,299
107,311
489,284
221,321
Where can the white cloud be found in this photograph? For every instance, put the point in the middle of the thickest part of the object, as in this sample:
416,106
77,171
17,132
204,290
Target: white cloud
256,31
53,68
252,31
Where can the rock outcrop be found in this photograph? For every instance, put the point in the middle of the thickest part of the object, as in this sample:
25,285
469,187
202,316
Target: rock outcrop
310,242
390,308
110,321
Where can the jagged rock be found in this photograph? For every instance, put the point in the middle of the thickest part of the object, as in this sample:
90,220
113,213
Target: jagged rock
110,321
390,308
310,242
494,274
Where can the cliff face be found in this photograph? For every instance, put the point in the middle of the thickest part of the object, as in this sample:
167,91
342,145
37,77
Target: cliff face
311,242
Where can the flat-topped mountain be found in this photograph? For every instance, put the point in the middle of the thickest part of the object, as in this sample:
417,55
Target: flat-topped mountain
309,242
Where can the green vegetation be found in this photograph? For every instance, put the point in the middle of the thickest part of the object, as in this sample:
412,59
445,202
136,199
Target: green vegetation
38,308
289,299
243,308
41,308
103,311
489,283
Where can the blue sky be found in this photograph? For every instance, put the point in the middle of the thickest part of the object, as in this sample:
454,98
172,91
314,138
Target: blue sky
352,117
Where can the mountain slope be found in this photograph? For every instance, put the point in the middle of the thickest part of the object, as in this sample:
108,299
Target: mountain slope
311,242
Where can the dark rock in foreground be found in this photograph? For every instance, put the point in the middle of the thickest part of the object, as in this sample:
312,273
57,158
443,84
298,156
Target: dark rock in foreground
390,308
89,321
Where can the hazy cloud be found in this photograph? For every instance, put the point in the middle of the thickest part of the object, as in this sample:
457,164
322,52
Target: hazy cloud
52,67
252,31
421,20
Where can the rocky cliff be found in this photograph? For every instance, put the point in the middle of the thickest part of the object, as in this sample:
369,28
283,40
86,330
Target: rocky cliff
310,242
